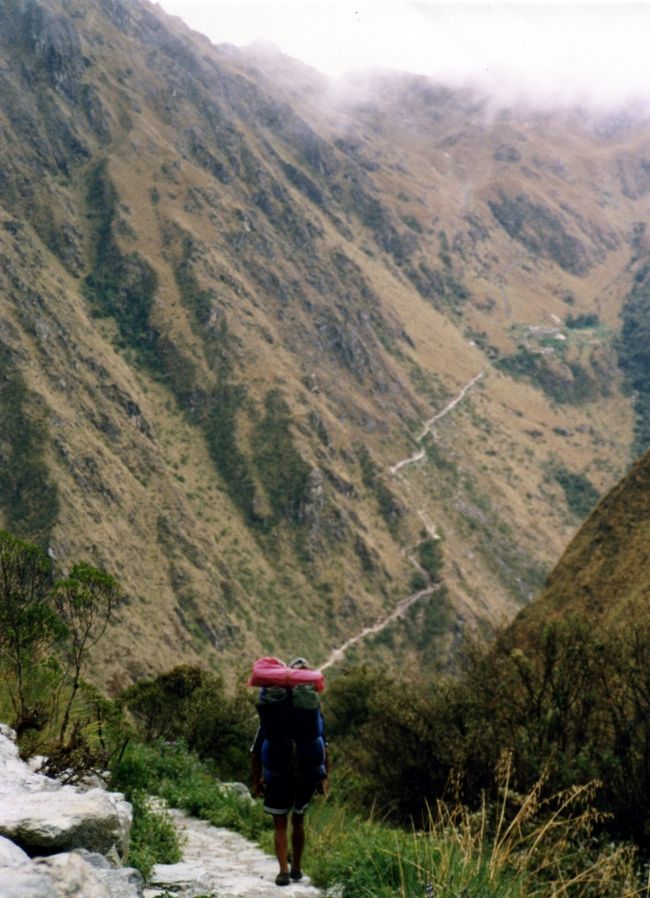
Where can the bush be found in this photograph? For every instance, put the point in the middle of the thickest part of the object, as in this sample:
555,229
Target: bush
154,839
589,319
191,704
184,781
430,556
28,496
580,493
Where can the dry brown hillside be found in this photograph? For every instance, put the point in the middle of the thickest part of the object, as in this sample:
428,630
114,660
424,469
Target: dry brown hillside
277,352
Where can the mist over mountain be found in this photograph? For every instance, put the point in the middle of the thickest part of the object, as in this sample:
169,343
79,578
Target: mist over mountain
279,355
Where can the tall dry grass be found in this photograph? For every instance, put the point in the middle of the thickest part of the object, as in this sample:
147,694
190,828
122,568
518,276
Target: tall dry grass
520,846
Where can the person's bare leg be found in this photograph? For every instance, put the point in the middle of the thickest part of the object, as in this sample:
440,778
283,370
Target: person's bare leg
297,841
281,841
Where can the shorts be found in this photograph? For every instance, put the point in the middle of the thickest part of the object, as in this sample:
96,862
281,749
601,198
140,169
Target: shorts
288,792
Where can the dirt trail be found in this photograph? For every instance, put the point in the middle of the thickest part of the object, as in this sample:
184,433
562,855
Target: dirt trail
399,611
417,456
403,606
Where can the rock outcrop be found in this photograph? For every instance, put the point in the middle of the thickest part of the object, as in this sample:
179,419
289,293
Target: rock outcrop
84,832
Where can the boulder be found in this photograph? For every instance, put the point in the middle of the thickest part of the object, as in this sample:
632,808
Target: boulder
78,874
10,854
42,816
122,882
67,819
53,877
15,775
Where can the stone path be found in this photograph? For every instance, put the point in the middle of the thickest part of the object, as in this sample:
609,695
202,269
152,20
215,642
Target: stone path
399,611
419,455
217,862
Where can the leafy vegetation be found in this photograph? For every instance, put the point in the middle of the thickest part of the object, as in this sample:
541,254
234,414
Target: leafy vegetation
47,627
555,718
440,287
29,499
153,837
178,776
122,286
568,383
430,556
541,231
581,495
191,704
282,471
634,354
387,504
588,319
567,702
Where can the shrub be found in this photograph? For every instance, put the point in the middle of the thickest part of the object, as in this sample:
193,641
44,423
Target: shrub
184,781
282,470
589,319
580,493
28,496
430,556
153,839
190,704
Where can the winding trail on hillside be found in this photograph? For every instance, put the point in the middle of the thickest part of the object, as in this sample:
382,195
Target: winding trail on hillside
417,456
399,611
402,607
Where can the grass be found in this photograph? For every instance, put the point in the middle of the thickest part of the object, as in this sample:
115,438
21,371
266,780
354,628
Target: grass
543,849
519,847
183,781
154,839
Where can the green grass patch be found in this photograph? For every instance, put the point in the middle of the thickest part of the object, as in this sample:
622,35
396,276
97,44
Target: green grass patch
574,388
580,493
184,781
154,839
28,497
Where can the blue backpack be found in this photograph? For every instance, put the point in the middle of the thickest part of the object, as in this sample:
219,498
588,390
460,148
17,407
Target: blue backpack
293,730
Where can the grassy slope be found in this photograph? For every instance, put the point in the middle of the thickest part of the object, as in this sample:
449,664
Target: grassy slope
139,490
604,569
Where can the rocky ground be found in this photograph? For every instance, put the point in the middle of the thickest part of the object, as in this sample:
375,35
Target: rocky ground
60,840
220,863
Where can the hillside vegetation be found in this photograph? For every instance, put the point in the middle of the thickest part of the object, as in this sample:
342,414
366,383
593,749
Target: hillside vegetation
232,295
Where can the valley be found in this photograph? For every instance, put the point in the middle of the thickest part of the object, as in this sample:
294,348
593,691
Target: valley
263,336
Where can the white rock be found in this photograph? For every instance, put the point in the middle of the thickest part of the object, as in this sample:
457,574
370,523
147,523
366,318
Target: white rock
15,775
122,882
53,877
11,855
186,878
67,819
8,733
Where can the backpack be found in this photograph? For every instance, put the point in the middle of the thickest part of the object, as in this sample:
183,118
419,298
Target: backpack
290,713
293,729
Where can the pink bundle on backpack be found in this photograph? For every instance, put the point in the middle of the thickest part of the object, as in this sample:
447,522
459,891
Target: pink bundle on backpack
272,672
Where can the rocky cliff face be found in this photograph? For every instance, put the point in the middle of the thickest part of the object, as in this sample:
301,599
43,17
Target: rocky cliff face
234,298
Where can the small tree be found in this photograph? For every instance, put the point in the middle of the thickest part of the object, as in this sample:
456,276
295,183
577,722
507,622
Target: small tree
85,602
28,621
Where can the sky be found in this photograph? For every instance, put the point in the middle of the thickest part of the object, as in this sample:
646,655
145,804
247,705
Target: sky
553,50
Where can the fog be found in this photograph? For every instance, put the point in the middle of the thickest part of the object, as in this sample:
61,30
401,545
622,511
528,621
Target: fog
577,52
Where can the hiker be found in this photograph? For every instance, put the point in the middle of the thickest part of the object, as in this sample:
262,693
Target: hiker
289,764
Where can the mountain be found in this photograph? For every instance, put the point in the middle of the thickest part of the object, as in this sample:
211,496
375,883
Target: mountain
278,352
603,573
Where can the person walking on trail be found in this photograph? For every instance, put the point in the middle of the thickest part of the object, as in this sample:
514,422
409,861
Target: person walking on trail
289,764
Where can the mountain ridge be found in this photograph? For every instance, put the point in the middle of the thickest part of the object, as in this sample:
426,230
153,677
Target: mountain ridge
231,300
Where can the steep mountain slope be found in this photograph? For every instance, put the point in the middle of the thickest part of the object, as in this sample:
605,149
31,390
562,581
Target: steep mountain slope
604,571
235,297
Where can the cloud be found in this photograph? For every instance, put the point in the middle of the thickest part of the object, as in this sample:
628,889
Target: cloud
555,51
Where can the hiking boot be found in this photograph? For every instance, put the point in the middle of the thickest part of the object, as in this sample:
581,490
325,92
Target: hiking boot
295,874
282,879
